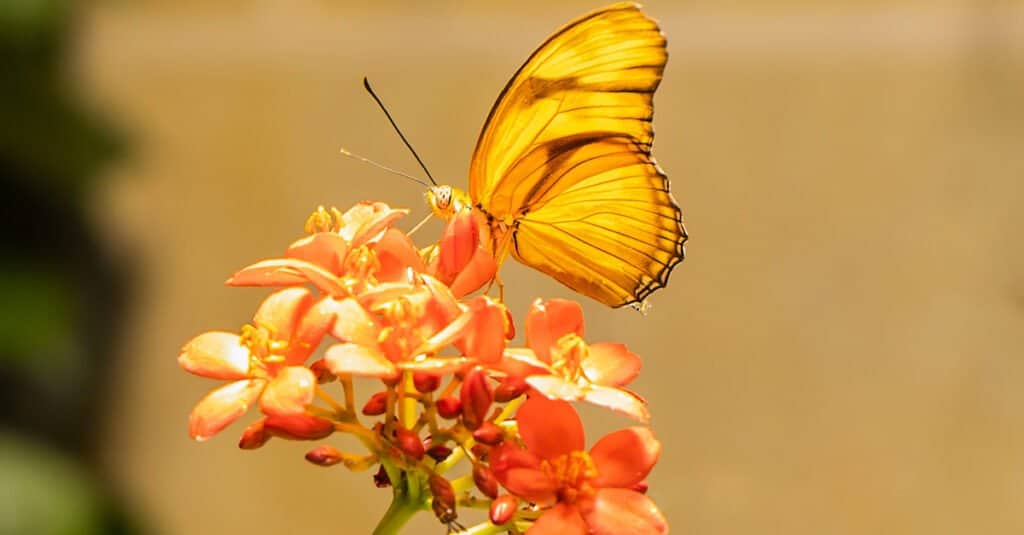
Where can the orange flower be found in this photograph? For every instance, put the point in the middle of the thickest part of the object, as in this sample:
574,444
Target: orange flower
263,362
582,492
563,366
459,260
398,326
343,255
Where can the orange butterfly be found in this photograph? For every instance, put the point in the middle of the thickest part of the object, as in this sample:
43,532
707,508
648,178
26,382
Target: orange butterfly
562,176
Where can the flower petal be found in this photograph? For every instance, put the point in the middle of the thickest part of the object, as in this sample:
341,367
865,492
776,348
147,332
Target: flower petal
485,338
217,355
548,321
352,322
459,241
443,306
624,512
549,428
447,335
222,406
288,272
479,271
562,519
396,254
312,328
289,393
365,221
619,400
354,359
625,457
611,364
282,310
554,387
520,472
325,249
521,362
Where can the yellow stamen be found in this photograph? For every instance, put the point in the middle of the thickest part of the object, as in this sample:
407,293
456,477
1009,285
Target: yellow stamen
323,220
573,473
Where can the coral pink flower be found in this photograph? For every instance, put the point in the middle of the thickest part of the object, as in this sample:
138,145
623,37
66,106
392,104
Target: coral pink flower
343,255
582,492
563,366
461,262
263,362
398,326
489,331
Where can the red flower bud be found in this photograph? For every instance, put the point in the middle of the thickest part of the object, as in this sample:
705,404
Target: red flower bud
439,452
381,479
449,407
409,442
489,433
640,486
298,427
476,395
254,436
485,480
443,503
510,388
480,451
324,456
502,509
425,382
320,371
376,405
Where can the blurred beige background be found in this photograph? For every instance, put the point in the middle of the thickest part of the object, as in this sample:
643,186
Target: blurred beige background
839,354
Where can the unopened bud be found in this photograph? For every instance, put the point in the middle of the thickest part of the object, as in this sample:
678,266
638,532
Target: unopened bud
425,382
254,436
476,395
439,452
489,433
320,371
449,407
485,480
409,442
480,451
298,427
502,509
376,405
324,456
443,503
381,479
510,388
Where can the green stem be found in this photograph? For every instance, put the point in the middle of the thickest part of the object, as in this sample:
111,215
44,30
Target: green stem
400,511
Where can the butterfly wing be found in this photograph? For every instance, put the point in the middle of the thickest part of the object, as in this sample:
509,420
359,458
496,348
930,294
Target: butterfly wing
564,160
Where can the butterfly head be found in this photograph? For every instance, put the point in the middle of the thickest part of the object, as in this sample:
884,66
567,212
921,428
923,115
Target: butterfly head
445,201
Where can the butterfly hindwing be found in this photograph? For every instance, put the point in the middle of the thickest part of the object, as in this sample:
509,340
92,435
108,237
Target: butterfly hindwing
604,223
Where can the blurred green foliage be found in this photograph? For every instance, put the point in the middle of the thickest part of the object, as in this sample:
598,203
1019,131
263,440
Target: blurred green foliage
47,131
62,291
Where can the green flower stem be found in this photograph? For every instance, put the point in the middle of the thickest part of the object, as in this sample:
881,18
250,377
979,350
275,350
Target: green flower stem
408,499
397,515
463,483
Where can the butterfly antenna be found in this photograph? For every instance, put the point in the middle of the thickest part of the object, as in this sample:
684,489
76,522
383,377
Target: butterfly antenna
366,84
350,154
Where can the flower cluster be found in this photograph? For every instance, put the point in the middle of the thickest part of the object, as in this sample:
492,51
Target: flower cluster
355,298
